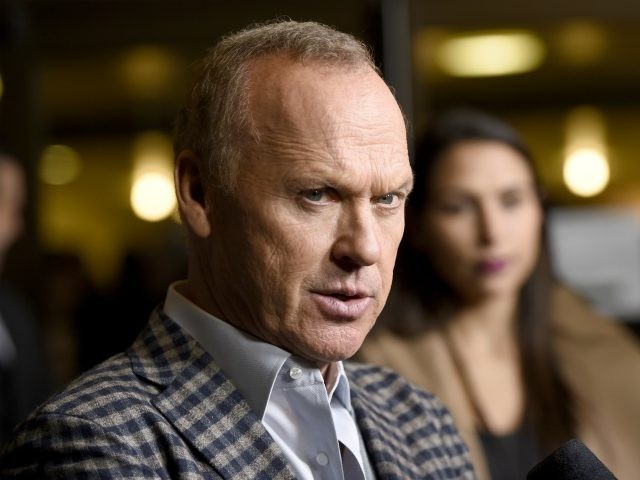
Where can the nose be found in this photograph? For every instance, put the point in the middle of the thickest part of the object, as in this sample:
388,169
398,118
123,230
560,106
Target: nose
489,224
358,239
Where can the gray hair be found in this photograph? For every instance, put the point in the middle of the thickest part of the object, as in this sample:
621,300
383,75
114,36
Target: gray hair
215,121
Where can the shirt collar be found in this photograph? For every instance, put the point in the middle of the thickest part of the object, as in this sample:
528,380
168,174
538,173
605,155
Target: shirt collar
340,389
251,364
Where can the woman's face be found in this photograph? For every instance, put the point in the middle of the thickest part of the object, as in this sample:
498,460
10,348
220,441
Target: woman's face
482,222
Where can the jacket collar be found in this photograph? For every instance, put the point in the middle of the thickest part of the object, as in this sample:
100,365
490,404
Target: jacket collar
202,404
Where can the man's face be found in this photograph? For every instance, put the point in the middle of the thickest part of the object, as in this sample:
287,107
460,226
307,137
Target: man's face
303,251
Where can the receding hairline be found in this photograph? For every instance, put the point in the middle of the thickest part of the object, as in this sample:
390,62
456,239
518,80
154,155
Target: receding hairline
276,64
285,35
223,84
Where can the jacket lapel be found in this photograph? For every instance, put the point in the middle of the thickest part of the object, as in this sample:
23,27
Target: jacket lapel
382,438
395,435
204,406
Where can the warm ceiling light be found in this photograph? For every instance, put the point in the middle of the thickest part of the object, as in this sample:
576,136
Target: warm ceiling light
586,172
152,193
486,54
152,196
586,167
59,165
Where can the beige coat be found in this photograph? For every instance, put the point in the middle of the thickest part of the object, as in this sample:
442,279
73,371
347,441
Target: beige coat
599,360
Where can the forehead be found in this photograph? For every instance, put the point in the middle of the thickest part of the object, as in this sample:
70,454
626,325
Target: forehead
318,117
481,163
285,93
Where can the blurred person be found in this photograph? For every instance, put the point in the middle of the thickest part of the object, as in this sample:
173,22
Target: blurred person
476,318
24,381
291,175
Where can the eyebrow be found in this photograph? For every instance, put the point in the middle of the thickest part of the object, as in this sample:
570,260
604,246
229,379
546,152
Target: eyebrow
407,186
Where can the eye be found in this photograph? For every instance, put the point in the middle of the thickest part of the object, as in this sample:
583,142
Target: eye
314,195
512,199
454,207
388,199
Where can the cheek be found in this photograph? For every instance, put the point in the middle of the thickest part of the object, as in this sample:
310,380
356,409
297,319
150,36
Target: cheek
447,239
529,238
285,255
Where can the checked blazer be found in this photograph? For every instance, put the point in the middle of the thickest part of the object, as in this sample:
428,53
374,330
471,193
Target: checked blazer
163,409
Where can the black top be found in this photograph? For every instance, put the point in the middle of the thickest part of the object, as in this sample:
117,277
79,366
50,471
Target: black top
511,456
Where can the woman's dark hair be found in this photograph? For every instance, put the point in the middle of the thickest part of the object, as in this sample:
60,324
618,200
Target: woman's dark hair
549,405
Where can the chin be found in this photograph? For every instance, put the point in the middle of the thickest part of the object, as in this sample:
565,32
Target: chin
495,292
336,349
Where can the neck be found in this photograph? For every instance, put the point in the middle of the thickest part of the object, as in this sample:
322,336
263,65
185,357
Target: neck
329,373
202,299
491,322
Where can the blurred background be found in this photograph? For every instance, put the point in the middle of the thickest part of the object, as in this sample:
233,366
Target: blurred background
89,90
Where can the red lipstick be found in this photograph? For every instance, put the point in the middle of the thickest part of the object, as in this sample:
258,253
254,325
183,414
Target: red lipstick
491,266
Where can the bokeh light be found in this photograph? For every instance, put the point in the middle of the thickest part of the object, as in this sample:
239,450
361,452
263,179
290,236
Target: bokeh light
485,54
152,196
581,42
59,165
586,172
148,71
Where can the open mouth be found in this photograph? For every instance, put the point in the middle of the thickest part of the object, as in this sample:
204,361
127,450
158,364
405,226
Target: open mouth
342,305
344,297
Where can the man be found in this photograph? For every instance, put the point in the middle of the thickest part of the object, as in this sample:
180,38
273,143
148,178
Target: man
291,176
24,380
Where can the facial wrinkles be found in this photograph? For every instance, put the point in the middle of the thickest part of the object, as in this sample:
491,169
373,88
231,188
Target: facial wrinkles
369,153
336,128
364,134
314,138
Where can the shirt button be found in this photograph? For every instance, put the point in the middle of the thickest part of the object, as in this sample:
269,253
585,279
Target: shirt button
295,373
322,459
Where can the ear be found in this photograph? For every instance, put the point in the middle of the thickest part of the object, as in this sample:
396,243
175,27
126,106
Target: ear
191,192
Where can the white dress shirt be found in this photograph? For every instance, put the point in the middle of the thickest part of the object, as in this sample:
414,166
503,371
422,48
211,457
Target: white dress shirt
314,427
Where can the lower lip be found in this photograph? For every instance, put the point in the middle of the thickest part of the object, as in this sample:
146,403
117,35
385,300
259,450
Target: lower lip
350,309
491,267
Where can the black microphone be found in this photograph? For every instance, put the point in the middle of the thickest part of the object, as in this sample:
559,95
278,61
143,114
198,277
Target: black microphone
572,461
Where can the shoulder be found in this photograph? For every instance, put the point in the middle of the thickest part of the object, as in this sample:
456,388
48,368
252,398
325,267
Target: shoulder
575,321
383,381
110,388
107,400
414,431
100,422
393,393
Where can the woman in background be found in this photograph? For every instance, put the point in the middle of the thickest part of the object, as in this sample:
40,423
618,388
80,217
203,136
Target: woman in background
476,318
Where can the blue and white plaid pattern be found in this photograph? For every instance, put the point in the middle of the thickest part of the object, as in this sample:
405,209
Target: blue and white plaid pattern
163,409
